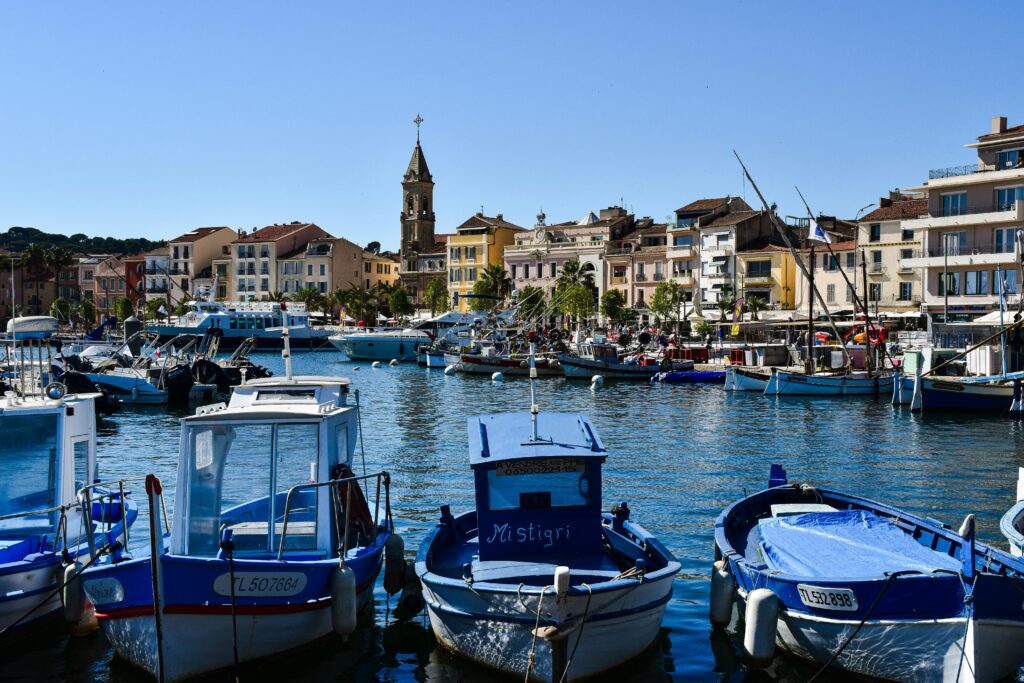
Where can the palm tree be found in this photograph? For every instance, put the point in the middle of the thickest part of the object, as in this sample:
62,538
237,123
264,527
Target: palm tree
726,302
58,258
308,295
575,290
755,304
576,272
361,303
33,259
494,279
278,296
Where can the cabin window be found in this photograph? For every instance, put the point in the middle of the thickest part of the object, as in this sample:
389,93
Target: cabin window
296,463
30,450
80,450
539,484
233,324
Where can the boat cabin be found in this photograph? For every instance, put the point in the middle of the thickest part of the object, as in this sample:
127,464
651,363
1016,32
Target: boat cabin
599,351
238,462
538,490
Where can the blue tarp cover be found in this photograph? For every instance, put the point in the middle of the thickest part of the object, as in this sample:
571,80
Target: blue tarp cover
846,544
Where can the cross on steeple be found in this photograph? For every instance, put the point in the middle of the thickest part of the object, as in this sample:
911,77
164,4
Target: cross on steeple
418,120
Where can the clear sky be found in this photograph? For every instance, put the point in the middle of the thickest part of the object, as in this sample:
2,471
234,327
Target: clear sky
149,119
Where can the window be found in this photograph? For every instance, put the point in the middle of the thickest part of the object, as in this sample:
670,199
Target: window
830,262
1006,281
1006,240
30,447
526,271
906,235
287,286
471,253
1006,197
906,253
954,204
470,274
875,232
323,287
875,292
619,272
455,275
851,260
954,243
264,251
513,268
849,294
830,294
552,270
906,291
309,269
1011,158
241,251
174,253
323,269
366,267
184,252
264,284
456,253
682,241
759,269
976,282
722,239
950,284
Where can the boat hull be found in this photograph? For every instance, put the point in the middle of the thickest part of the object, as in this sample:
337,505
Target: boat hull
691,377
575,367
378,348
785,383
739,379
21,591
481,365
939,394
128,387
298,338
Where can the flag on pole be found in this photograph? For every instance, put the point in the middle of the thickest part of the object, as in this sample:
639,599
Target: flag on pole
818,234
163,310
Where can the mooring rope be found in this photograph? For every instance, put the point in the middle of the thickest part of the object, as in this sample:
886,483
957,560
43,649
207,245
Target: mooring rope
579,636
531,657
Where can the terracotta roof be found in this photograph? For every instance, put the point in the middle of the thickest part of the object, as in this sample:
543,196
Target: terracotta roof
836,246
292,254
1015,130
905,209
492,221
198,234
273,233
441,238
731,218
656,229
704,204
758,250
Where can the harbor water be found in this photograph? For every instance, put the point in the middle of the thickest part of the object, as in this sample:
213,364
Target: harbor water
678,455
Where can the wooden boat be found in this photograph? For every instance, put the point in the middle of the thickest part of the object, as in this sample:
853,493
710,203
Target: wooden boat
537,581
236,580
509,365
865,587
789,383
1012,523
607,361
746,379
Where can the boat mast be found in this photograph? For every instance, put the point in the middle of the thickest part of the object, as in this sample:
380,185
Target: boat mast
809,361
534,408
1002,330
867,312
792,250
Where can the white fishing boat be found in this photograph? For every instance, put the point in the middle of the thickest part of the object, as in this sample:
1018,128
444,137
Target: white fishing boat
1012,523
273,544
49,457
746,379
240,320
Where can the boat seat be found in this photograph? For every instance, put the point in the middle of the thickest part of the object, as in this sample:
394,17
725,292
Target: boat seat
12,550
249,536
543,573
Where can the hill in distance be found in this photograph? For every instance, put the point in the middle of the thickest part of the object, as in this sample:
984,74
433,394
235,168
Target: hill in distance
17,238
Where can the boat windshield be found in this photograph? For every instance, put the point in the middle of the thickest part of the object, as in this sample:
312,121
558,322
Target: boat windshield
239,477
538,484
29,460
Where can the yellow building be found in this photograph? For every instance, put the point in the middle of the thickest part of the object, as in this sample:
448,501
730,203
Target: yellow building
380,268
477,243
769,273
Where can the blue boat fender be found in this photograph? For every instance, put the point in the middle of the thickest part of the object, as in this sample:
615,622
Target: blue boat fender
762,624
411,603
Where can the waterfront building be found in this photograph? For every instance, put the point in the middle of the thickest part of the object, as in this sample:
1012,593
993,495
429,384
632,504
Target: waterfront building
969,235
158,274
135,277
67,283
255,270
480,241
87,283
324,264
768,272
423,254
10,285
110,284
380,269
221,267
726,226
886,244
191,259
537,256
829,269
637,264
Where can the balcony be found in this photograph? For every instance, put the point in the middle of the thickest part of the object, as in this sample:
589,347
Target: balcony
876,269
684,280
640,277
619,280
717,277
681,251
957,171
659,277
156,290
751,280
720,251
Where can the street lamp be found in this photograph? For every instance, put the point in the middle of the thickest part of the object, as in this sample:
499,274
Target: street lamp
866,206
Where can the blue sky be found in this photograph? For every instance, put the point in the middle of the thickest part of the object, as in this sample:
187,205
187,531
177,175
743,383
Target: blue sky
150,119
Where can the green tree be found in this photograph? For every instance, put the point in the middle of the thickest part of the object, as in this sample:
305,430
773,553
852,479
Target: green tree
278,296
531,302
436,296
58,258
182,307
704,328
668,302
153,311
308,295
33,259
755,304
88,312
123,308
726,303
613,306
61,310
361,304
400,304
575,290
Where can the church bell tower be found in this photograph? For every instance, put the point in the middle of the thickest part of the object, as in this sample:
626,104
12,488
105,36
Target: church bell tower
417,203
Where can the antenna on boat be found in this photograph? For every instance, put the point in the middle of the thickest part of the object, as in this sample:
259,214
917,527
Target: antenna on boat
534,408
286,353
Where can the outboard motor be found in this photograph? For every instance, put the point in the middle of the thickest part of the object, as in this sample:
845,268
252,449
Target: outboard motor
207,372
77,383
178,383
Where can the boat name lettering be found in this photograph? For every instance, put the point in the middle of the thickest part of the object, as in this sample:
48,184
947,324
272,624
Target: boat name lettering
262,584
531,533
104,591
509,468
827,598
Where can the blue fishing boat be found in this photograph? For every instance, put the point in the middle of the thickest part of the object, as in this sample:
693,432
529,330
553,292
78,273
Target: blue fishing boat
865,587
273,543
691,377
50,499
746,379
537,581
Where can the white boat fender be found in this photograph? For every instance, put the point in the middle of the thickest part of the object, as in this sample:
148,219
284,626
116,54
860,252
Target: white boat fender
449,370
375,364
394,564
762,624
394,362
497,377
722,594
78,611
343,601
967,528
597,381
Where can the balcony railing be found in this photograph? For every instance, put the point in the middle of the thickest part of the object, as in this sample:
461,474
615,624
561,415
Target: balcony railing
640,277
876,268
965,250
616,280
156,290
717,276
955,171
659,277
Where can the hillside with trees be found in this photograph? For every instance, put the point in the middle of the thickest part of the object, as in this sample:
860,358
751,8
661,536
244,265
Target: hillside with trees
18,239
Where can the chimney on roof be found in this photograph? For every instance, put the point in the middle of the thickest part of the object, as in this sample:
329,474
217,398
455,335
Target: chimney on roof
998,124
479,214
500,217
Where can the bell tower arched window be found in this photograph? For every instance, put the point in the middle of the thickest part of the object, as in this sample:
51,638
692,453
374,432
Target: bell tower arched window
411,211
425,205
